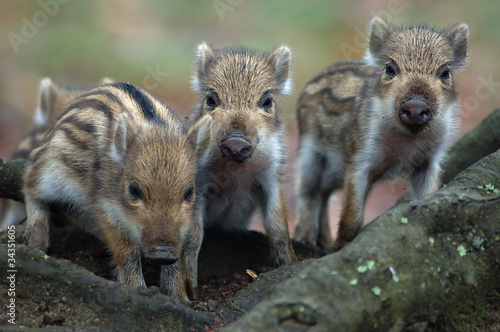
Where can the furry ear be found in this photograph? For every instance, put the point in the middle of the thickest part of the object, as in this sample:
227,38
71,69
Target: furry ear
47,94
378,32
282,59
199,133
106,80
119,142
204,55
459,38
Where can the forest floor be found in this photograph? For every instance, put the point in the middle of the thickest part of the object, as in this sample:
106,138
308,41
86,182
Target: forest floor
226,265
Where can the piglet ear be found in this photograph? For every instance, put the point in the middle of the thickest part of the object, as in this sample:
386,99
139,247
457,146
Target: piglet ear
106,80
199,133
204,56
47,95
282,60
119,140
459,38
378,32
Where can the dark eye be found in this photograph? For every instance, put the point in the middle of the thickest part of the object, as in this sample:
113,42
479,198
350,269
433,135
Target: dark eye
445,74
267,101
135,191
390,69
188,195
212,99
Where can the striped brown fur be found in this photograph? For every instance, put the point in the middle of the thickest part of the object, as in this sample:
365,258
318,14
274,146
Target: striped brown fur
123,166
52,99
239,89
387,116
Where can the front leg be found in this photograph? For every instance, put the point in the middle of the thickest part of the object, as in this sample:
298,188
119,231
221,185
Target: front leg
190,252
126,253
172,283
180,279
325,240
276,225
311,223
356,187
189,267
426,179
37,225
310,203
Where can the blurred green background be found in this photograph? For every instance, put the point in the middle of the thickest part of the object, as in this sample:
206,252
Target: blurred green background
76,43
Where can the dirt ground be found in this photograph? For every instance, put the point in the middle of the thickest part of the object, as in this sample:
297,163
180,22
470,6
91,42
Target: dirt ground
219,279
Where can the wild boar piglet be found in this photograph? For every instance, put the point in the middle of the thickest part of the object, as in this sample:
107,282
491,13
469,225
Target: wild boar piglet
124,167
390,115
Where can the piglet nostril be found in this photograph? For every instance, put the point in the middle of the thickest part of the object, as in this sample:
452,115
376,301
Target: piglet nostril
226,151
425,116
406,115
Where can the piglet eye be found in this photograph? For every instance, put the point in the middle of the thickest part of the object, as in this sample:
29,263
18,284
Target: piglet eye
135,192
188,195
445,74
212,100
390,70
267,101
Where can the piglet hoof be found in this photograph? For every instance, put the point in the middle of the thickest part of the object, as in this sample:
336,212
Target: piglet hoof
192,293
180,298
305,238
35,240
339,244
177,293
306,242
326,243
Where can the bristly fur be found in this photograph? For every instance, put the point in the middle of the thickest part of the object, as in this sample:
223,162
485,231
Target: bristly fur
122,165
351,131
238,88
247,61
52,99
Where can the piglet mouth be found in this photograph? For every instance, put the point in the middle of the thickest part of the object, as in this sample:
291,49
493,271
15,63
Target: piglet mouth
162,255
236,147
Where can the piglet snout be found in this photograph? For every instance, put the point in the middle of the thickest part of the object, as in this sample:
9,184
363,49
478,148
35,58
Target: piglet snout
415,113
236,147
162,255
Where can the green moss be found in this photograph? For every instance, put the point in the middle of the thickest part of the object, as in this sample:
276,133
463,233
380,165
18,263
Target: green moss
461,250
362,268
370,264
376,291
489,189
477,242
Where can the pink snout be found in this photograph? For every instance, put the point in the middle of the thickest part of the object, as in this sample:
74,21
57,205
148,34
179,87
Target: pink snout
415,113
236,147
